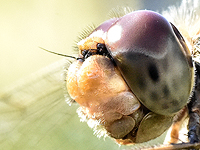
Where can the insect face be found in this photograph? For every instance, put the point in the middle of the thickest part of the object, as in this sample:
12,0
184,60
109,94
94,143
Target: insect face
133,71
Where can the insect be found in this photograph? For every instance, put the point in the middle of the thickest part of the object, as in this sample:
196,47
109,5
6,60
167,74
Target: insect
152,65
18,127
141,47
134,77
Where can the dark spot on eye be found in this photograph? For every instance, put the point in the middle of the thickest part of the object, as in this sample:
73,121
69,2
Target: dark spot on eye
177,107
165,106
141,83
175,103
154,96
153,72
166,91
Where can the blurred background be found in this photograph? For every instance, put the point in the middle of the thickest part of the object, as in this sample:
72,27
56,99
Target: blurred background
54,25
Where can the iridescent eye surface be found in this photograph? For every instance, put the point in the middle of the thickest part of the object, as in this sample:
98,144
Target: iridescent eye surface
133,72
152,60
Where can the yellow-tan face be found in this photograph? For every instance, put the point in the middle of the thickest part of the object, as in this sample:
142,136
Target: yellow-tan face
133,72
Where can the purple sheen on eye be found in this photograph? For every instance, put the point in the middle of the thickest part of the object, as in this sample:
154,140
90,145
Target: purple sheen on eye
142,31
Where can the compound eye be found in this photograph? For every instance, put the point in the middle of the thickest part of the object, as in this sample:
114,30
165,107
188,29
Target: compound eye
153,60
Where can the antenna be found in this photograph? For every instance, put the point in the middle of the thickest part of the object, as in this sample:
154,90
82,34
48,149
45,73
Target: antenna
58,53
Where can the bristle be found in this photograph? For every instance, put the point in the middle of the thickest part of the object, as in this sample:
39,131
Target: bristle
119,12
86,32
82,35
185,16
98,129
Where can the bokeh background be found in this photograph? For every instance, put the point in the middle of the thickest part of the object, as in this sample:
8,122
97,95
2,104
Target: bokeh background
24,27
